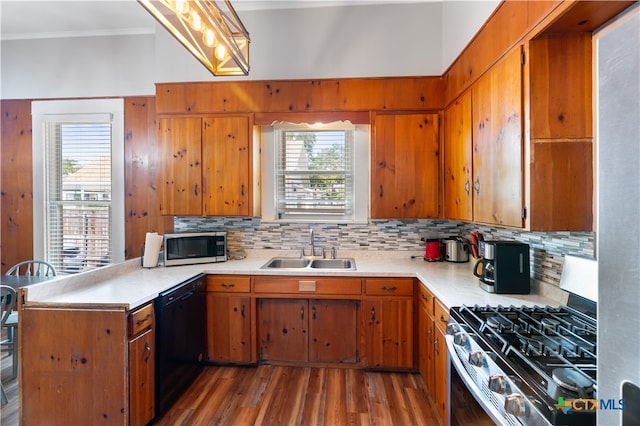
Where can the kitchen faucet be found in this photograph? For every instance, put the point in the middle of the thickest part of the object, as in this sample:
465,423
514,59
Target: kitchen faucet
311,242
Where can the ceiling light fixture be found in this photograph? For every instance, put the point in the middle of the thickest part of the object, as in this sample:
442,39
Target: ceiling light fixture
209,29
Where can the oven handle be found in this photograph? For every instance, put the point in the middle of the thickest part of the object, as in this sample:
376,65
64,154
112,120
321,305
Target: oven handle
472,386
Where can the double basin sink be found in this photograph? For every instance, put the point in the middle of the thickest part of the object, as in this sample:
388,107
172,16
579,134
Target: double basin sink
346,264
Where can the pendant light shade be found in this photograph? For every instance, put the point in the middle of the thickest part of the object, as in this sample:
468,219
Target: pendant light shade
209,29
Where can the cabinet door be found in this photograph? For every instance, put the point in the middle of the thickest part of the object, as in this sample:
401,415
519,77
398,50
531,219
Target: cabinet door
333,331
141,379
180,166
405,166
228,328
282,328
441,376
389,332
457,145
226,157
497,144
426,349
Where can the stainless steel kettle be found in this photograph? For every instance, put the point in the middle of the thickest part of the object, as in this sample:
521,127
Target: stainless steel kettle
456,249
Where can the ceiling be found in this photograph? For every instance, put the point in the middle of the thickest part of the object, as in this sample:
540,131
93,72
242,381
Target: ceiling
30,19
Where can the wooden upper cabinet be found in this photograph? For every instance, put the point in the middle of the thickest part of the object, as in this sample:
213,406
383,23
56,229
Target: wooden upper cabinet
497,143
561,130
405,166
206,166
180,166
457,146
226,166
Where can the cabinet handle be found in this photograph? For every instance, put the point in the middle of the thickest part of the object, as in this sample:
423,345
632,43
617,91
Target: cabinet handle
385,288
242,190
225,285
373,314
442,318
313,312
467,187
437,346
381,192
301,312
242,311
195,189
424,296
476,185
147,349
143,320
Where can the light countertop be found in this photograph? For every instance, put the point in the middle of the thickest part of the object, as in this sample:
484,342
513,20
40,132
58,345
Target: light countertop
128,285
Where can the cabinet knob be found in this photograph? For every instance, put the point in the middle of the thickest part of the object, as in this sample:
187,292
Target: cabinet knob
385,288
476,185
227,286
381,192
467,187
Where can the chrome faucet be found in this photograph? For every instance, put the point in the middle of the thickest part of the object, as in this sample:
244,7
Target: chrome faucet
311,242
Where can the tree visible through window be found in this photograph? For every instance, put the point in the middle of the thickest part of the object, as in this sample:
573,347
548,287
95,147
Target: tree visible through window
314,173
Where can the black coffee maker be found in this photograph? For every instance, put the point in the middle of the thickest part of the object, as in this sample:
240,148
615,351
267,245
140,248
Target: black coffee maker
503,267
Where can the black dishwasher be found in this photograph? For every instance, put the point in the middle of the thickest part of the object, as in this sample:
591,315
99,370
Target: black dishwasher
180,340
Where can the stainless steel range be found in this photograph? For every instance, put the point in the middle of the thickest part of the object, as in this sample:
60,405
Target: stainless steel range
522,363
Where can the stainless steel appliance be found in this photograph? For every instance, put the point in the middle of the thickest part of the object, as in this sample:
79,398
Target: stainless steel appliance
180,339
456,249
195,247
503,267
618,194
522,362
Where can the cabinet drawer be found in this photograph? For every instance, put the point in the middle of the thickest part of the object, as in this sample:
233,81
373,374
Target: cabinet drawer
389,287
228,284
426,298
441,315
307,285
140,319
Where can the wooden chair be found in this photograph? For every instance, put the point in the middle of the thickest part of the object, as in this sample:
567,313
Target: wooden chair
9,319
34,268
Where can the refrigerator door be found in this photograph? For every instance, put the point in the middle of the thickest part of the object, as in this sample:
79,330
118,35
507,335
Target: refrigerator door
618,216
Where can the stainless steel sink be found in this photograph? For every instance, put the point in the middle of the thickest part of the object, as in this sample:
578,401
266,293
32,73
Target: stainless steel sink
349,264
302,263
286,263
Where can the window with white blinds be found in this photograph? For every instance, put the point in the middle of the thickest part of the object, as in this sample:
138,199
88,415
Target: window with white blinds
80,187
314,172
79,195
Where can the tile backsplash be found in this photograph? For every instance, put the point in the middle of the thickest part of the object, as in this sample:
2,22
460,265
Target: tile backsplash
547,248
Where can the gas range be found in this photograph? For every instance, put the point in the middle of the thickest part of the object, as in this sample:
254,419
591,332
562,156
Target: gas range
524,359
524,363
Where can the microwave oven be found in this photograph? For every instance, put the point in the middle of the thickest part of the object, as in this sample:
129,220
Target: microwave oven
195,247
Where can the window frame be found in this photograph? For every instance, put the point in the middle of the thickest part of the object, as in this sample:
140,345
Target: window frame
360,154
84,110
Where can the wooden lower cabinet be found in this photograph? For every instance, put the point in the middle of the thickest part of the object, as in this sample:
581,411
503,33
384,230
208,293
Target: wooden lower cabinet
301,330
142,378
441,362
75,369
229,316
426,339
388,323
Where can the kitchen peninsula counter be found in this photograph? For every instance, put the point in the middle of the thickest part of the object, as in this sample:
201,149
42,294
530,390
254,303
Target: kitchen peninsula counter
128,285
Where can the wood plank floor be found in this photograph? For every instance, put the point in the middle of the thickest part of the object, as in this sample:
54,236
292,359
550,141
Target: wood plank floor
272,395
277,395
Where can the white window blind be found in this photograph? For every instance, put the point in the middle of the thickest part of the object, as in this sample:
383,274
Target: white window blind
314,172
78,194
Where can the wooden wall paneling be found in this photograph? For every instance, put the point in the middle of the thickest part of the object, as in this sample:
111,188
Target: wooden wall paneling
290,96
16,240
141,167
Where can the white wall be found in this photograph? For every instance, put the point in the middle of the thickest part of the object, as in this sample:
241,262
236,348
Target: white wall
354,41
461,20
